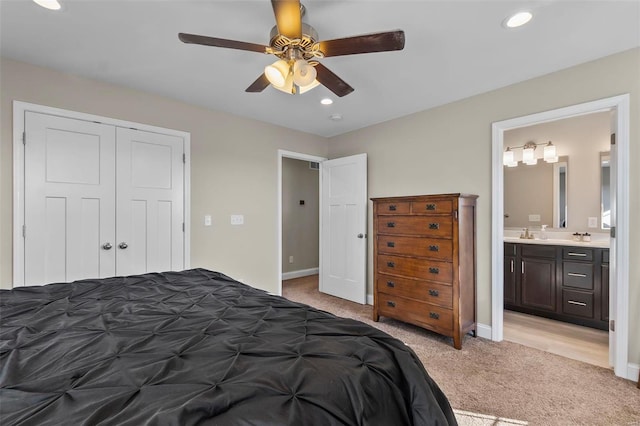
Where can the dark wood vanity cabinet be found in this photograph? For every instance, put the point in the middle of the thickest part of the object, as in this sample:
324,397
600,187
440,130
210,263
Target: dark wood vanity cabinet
560,282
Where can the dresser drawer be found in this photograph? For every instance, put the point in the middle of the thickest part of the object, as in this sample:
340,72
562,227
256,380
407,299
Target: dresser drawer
432,207
425,269
434,248
432,226
577,274
420,313
394,208
579,303
433,293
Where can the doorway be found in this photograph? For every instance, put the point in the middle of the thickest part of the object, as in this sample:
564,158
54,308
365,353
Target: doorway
618,304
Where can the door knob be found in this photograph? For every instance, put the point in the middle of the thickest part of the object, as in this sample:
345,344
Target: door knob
123,245
360,235
106,246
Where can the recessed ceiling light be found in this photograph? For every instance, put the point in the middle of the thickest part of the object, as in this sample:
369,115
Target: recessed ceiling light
518,19
335,117
49,4
326,101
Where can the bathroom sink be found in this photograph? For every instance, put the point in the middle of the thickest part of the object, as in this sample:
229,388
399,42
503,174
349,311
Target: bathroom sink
559,242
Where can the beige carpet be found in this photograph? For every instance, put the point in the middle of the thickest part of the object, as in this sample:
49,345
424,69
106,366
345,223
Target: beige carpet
503,380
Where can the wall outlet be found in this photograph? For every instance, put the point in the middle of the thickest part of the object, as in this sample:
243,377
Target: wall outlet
290,259
207,220
237,219
593,222
534,218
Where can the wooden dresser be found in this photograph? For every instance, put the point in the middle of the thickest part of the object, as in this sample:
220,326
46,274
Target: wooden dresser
425,262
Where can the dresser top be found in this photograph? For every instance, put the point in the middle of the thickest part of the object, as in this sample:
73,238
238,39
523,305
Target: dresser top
425,197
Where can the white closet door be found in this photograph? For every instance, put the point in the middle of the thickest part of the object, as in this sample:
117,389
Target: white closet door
150,202
69,199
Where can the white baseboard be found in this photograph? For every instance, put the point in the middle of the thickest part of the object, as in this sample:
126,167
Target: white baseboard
370,299
483,330
300,273
633,371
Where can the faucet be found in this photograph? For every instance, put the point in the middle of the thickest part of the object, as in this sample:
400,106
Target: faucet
526,235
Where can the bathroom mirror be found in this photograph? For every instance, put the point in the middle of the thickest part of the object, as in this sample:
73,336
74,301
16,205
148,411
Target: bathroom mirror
605,190
536,195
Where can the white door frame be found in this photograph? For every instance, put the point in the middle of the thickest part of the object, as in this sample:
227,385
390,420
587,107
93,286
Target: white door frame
19,109
296,156
620,265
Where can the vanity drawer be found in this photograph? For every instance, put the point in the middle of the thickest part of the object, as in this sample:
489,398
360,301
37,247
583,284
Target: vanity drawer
424,269
415,312
437,294
432,226
605,256
579,303
509,249
432,207
577,253
433,248
394,208
533,250
577,274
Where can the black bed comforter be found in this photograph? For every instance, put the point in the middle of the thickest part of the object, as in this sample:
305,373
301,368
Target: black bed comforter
197,347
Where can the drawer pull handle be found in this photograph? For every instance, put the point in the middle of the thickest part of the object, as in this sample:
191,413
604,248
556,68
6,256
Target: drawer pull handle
392,208
573,302
391,304
434,315
434,248
391,264
577,254
573,274
431,206
391,224
391,284
391,244
434,226
434,270
434,293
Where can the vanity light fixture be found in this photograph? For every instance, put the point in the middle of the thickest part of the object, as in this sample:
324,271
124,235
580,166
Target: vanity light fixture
529,154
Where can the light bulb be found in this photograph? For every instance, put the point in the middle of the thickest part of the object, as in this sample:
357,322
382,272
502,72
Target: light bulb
550,154
507,157
303,73
49,4
518,19
277,73
528,156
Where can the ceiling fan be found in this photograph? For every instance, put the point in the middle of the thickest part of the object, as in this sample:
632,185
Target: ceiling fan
298,50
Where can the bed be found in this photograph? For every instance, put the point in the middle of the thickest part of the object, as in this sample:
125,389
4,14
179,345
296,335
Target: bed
197,347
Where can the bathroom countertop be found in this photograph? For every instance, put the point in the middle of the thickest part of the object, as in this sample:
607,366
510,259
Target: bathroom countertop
598,243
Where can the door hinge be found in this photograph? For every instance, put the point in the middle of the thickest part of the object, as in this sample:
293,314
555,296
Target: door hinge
24,138
184,158
24,231
613,232
182,226
612,325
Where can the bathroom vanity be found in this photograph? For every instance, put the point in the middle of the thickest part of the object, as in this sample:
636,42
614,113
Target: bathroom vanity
559,281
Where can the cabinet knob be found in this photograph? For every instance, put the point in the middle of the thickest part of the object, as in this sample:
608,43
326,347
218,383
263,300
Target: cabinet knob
107,246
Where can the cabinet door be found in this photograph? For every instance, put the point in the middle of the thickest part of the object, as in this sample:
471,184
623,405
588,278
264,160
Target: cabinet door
510,280
604,294
538,285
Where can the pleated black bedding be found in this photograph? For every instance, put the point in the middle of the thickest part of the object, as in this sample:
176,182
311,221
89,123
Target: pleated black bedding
197,347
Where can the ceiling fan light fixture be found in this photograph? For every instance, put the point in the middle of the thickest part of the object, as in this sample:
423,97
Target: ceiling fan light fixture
49,4
303,73
312,85
277,73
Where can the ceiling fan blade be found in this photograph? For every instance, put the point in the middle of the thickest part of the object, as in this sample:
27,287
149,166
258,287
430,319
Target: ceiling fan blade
367,43
331,81
288,18
221,42
259,85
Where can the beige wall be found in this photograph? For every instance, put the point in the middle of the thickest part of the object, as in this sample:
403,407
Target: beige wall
528,190
233,166
448,149
581,139
300,223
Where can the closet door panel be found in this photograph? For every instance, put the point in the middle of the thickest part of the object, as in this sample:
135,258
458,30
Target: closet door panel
150,199
69,199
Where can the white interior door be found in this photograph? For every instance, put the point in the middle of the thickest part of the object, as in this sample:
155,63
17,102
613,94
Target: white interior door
150,201
69,168
613,289
343,210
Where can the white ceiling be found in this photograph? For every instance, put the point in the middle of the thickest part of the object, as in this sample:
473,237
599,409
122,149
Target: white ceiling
454,49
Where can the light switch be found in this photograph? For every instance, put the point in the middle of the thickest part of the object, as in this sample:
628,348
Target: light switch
207,220
237,219
593,222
